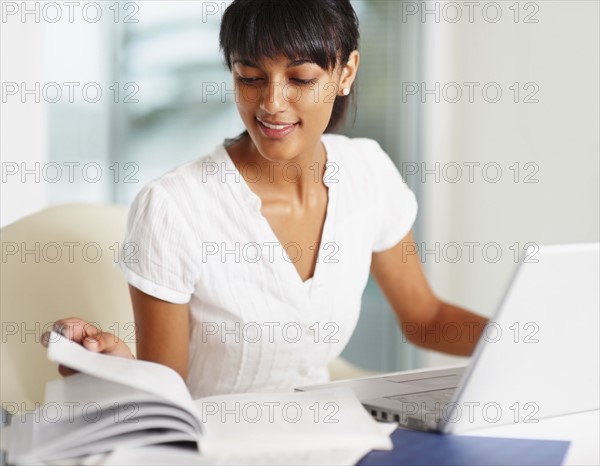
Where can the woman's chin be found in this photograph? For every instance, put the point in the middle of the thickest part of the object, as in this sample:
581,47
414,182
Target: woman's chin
277,150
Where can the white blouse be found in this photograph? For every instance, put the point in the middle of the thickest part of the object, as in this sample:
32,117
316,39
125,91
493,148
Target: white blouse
200,238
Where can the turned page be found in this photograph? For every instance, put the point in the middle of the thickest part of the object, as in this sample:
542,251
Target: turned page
144,376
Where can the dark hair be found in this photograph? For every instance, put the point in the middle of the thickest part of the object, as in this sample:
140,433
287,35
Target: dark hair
323,31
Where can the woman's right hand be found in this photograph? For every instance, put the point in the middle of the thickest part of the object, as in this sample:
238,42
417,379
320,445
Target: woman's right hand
90,337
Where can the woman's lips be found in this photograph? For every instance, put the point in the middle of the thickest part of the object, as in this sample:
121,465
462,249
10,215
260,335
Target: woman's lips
276,131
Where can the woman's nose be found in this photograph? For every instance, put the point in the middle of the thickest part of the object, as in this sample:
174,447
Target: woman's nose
273,97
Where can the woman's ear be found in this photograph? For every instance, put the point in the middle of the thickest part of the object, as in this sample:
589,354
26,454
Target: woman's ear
348,73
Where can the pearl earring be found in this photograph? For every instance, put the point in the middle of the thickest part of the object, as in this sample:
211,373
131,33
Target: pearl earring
346,91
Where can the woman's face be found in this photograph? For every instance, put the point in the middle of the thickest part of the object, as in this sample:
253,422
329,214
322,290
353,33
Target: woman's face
284,104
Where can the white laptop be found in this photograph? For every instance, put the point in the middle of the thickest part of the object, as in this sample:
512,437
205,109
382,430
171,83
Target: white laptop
538,356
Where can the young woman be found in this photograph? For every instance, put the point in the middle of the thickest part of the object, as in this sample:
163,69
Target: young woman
252,260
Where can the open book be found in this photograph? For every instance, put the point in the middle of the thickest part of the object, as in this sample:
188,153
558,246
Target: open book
117,403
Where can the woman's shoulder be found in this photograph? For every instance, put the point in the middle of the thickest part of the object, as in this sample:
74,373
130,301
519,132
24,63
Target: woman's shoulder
364,154
358,143
191,177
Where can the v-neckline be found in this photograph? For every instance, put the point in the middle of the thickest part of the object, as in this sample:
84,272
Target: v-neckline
255,204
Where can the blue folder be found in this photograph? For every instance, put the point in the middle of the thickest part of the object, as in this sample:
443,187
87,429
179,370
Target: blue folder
424,448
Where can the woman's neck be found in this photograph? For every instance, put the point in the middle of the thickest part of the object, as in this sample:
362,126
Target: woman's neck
296,179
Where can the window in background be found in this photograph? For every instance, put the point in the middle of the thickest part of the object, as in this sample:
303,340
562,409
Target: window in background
185,103
78,74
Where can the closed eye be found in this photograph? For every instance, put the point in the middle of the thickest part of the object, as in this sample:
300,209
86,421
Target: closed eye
296,80
248,80
306,81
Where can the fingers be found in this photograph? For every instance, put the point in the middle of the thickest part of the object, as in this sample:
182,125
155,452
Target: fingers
75,329
106,342
90,337
62,370
65,371
101,342
45,339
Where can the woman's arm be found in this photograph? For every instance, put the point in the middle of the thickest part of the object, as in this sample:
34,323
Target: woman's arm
162,331
161,334
425,320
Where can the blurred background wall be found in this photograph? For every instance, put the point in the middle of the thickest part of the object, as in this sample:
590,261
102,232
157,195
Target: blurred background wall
490,111
542,133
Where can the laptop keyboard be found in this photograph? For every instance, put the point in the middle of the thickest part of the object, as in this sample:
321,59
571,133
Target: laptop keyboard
423,410
430,398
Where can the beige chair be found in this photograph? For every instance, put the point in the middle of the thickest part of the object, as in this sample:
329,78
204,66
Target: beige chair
58,263
341,369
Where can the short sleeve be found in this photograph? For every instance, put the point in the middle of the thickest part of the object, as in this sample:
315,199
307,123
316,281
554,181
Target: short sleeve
395,203
156,255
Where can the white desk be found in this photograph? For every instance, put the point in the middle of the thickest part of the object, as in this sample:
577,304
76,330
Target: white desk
581,429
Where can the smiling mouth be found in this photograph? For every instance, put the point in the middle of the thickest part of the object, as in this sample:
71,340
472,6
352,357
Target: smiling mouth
277,127
278,131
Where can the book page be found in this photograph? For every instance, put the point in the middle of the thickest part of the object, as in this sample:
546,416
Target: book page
259,423
85,395
21,450
146,376
161,455
112,403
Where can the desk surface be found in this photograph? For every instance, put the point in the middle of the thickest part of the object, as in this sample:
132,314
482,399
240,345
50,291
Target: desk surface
581,429
567,440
